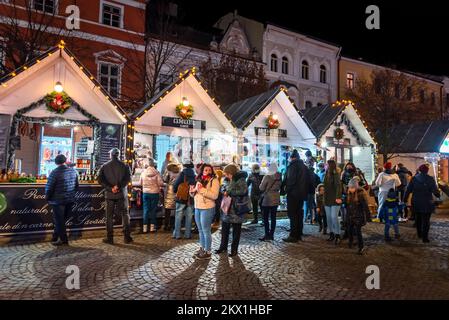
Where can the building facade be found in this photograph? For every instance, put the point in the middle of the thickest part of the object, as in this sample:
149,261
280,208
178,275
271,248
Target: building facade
432,91
306,66
110,40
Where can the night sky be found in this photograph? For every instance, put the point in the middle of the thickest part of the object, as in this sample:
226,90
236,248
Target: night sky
412,36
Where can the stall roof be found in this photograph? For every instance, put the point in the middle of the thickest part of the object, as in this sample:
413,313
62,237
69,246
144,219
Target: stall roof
242,112
320,118
418,137
190,77
79,84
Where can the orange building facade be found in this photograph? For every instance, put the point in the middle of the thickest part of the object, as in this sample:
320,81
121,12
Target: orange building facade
110,41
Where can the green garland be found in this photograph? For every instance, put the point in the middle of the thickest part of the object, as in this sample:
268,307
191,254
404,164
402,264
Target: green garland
184,112
58,102
339,133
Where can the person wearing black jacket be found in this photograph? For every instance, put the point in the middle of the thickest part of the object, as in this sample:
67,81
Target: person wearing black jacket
60,193
403,174
310,205
115,176
254,180
296,185
422,187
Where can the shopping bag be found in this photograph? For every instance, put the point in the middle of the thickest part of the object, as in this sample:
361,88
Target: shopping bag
225,204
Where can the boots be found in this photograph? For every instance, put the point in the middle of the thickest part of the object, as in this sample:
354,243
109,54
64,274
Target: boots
337,239
152,228
331,237
145,228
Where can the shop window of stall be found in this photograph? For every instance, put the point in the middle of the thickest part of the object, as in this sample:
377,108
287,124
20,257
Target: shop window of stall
109,75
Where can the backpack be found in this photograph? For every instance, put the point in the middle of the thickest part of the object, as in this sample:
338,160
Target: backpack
183,190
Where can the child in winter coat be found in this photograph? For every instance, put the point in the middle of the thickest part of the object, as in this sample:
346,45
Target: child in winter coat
321,212
357,211
390,213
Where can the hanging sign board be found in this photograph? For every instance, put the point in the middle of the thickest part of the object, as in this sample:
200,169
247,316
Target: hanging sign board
110,137
183,123
281,133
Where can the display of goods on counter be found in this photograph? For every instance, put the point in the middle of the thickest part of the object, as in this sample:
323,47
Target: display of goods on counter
23,180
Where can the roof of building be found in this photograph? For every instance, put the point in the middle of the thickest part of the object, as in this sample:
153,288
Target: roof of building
242,112
418,137
320,118
39,60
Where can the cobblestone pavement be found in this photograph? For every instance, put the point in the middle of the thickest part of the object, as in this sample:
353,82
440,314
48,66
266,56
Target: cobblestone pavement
158,267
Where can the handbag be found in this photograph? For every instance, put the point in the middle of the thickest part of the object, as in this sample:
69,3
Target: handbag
265,192
226,204
242,204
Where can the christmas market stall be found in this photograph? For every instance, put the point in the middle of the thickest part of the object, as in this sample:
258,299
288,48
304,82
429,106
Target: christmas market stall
418,143
341,134
51,106
185,120
270,128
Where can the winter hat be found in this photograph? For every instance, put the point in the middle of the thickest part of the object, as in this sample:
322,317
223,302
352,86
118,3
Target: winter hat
60,159
231,169
295,154
424,168
321,164
114,152
354,182
151,162
308,153
273,168
388,166
255,168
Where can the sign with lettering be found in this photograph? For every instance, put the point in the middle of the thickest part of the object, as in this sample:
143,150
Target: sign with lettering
183,123
110,137
5,124
23,209
281,133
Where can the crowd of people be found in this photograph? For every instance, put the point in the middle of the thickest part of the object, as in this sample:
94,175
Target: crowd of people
335,199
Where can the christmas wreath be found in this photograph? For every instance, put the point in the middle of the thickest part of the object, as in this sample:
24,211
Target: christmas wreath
339,133
58,102
184,112
273,121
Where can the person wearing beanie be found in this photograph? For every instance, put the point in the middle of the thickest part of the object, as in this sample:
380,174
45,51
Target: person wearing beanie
254,181
357,211
422,187
310,160
321,171
296,185
385,181
184,202
169,177
320,210
390,213
60,193
270,199
152,183
237,189
115,176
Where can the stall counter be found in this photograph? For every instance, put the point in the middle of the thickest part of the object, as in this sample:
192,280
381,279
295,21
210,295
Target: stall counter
23,209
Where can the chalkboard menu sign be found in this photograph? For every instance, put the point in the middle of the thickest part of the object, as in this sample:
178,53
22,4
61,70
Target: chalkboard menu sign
5,124
110,137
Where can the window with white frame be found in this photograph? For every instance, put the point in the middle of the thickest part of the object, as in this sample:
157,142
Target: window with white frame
323,74
284,65
47,6
305,70
350,80
109,75
274,63
112,15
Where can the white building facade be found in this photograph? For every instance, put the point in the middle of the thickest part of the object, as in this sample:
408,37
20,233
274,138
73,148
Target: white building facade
307,67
